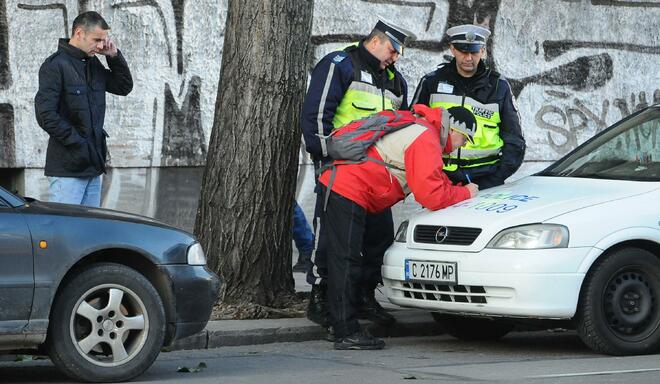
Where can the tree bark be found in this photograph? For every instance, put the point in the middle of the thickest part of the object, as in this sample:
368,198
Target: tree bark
245,212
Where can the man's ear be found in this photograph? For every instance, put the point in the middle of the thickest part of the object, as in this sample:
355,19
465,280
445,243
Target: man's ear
77,32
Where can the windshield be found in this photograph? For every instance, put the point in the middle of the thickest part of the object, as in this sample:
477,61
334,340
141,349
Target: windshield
629,150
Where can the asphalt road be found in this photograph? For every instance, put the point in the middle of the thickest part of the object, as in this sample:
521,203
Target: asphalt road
522,357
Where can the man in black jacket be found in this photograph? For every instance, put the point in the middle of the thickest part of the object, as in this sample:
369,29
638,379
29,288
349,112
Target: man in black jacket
499,146
70,106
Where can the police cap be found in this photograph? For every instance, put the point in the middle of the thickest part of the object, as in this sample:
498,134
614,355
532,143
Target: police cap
398,36
468,37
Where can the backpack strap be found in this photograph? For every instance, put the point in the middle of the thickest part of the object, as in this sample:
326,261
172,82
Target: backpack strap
329,187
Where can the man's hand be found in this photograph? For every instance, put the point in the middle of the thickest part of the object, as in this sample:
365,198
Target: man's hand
474,188
109,48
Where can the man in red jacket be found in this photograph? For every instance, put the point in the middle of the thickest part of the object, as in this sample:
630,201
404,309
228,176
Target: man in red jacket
415,154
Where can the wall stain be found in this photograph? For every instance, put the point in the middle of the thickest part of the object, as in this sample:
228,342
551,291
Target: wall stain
555,48
184,142
583,73
60,6
161,17
178,6
7,141
5,70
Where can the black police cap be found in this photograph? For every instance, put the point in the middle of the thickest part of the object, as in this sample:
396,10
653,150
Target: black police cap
398,36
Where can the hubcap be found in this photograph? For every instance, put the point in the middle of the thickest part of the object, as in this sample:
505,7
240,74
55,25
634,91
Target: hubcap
109,325
630,305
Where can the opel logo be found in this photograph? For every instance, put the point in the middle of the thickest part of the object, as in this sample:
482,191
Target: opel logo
441,234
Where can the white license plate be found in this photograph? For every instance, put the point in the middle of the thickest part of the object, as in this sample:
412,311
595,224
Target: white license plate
431,271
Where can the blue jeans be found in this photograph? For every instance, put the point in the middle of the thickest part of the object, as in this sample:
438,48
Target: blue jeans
302,233
76,190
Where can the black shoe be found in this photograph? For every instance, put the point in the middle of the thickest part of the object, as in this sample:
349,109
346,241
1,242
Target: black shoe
370,309
361,340
317,310
330,336
301,264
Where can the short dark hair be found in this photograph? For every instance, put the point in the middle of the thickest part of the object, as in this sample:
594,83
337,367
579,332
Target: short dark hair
88,20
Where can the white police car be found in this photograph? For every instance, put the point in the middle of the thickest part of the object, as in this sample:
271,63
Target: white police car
578,241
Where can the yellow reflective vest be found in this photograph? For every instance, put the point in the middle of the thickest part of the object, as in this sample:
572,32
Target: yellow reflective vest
363,98
487,142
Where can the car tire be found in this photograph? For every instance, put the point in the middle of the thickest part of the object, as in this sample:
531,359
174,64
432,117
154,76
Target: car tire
107,324
619,308
472,328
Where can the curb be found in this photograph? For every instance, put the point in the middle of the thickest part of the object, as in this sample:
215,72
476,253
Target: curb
224,333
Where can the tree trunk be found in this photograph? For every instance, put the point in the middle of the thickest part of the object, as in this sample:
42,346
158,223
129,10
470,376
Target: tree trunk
245,211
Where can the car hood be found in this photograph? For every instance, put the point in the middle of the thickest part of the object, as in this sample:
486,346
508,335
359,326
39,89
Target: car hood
534,199
40,207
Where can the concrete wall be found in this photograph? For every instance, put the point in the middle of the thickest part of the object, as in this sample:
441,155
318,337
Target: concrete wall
575,67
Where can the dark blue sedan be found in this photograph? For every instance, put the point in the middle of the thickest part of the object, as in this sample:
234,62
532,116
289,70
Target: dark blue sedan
101,291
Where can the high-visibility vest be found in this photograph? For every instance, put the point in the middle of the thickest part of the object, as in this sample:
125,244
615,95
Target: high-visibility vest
487,145
363,98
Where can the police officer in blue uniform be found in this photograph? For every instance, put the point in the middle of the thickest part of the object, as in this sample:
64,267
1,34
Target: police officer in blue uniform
499,147
348,85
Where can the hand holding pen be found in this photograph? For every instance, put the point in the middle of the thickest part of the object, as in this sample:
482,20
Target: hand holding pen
474,188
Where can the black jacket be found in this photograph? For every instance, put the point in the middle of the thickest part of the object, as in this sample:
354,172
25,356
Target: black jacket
70,106
486,87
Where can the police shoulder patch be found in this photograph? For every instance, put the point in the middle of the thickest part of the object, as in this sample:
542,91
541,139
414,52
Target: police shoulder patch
339,57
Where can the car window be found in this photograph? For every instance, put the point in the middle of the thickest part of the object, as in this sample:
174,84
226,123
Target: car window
629,151
3,204
10,199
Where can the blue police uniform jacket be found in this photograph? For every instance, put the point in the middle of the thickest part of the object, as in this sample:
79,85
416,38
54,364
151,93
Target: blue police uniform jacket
330,81
485,87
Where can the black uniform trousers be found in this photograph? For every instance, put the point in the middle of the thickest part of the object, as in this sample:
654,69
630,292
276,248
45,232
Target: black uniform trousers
378,236
349,266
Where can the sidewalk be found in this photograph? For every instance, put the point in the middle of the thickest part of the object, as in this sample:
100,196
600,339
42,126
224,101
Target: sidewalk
220,333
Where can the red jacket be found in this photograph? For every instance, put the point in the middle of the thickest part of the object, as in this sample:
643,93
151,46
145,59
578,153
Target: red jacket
417,149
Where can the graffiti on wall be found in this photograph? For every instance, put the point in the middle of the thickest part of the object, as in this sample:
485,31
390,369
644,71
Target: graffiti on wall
5,72
584,67
568,68
183,135
7,142
575,118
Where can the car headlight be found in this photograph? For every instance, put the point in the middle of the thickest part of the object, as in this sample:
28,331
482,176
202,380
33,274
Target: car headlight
196,255
533,236
401,233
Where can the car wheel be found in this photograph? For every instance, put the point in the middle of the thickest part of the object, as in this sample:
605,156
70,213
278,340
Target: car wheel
619,310
107,324
472,328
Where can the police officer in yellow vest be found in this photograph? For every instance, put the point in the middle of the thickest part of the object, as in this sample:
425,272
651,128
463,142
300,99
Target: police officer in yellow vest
499,146
348,85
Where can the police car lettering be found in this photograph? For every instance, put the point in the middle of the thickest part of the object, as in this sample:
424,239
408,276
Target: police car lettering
496,202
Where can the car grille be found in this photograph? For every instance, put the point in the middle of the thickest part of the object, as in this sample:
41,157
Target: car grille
454,235
439,292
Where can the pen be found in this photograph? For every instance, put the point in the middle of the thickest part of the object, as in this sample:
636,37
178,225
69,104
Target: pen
468,178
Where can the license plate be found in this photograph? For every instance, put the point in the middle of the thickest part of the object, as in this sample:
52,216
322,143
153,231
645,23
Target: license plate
431,271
